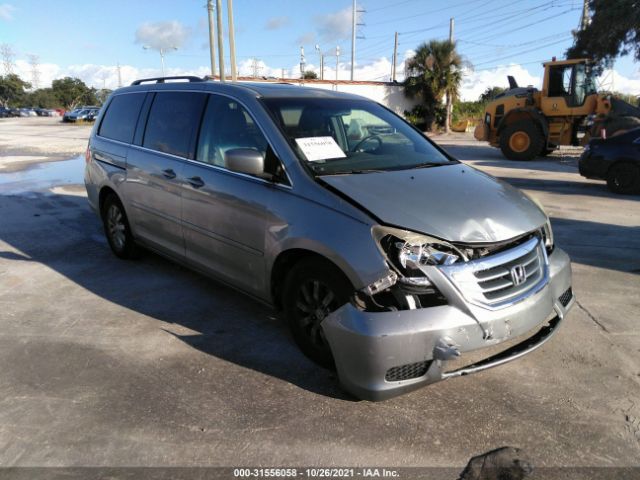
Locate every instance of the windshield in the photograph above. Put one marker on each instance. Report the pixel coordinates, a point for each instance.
(337, 136)
(584, 83)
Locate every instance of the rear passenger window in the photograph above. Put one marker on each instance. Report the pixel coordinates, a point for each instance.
(173, 119)
(121, 117)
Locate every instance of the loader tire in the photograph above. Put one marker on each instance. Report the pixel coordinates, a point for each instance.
(521, 140)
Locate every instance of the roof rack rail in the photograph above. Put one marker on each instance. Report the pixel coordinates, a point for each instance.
(191, 78)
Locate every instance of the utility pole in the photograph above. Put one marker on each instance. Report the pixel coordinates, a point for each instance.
(302, 61)
(255, 67)
(337, 60)
(449, 105)
(232, 41)
(395, 57)
(119, 76)
(353, 37)
(321, 56)
(584, 20)
(220, 42)
(282, 73)
(7, 58)
(212, 31)
(35, 72)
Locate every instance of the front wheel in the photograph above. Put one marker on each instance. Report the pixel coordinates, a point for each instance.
(521, 140)
(624, 178)
(313, 289)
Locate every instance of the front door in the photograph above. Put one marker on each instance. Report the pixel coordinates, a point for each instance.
(224, 212)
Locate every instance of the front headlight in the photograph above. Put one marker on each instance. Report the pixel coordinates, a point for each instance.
(408, 252)
(545, 231)
(547, 236)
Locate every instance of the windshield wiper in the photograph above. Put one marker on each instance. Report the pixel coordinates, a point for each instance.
(349, 172)
(428, 165)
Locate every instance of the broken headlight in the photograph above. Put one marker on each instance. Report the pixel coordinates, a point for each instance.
(545, 231)
(409, 252)
(547, 236)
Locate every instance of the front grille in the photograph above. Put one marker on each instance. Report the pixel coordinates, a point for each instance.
(566, 297)
(503, 278)
(407, 372)
(497, 283)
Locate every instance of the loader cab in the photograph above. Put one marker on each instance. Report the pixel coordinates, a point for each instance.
(567, 86)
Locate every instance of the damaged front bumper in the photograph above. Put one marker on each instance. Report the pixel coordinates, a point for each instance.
(380, 355)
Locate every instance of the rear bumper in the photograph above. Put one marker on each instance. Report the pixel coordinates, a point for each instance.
(370, 348)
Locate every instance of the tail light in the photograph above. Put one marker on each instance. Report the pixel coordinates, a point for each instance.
(87, 155)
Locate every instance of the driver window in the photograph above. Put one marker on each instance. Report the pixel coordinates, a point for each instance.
(227, 125)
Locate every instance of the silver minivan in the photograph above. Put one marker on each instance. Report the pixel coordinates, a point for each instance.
(393, 262)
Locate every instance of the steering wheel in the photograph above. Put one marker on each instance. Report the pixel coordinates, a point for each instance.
(367, 138)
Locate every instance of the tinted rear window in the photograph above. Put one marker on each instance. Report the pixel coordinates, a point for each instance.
(120, 119)
(173, 120)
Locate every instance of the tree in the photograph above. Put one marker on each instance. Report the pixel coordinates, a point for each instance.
(72, 92)
(491, 93)
(12, 89)
(43, 98)
(614, 30)
(433, 73)
(309, 74)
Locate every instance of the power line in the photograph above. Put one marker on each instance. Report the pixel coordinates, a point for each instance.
(522, 27)
(430, 12)
(524, 51)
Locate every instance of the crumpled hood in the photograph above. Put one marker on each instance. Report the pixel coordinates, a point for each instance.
(453, 202)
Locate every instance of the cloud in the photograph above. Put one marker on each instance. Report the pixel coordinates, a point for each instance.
(306, 38)
(277, 23)
(6, 11)
(335, 26)
(163, 34)
(614, 82)
(476, 82)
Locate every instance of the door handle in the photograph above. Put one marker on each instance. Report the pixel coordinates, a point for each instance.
(169, 173)
(195, 182)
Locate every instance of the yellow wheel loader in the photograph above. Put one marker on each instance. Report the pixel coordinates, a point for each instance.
(525, 122)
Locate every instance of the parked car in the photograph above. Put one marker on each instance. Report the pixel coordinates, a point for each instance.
(5, 112)
(616, 160)
(27, 112)
(81, 114)
(92, 115)
(391, 259)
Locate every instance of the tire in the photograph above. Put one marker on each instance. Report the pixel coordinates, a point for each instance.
(117, 229)
(624, 178)
(521, 140)
(313, 289)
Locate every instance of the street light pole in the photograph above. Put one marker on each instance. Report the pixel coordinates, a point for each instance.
(162, 52)
(337, 60)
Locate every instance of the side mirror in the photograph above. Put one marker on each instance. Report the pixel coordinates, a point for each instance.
(245, 160)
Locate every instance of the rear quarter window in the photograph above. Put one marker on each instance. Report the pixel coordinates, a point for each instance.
(120, 119)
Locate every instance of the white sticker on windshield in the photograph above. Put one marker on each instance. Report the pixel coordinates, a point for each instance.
(319, 148)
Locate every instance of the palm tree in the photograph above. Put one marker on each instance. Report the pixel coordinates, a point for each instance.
(433, 73)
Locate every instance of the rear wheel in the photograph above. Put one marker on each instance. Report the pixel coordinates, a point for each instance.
(624, 178)
(116, 228)
(313, 289)
(521, 140)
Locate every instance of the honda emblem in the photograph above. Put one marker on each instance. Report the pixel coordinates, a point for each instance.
(518, 275)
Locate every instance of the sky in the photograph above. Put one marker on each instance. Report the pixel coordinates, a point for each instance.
(89, 38)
